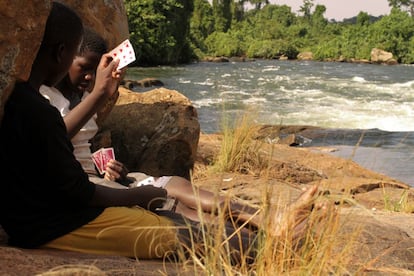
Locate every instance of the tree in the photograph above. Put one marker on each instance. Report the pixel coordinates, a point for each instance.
(159, 30)
(394, 33)
(363, 19)
(407, 5)
(222, 14)
(258, 3)
(201, 23)
(306, 8)
(318, 19)
(238, 10)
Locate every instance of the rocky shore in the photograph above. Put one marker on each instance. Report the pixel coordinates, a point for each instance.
(385, 244)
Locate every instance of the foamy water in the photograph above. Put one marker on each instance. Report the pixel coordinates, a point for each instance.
(310, 93)
(329, 95)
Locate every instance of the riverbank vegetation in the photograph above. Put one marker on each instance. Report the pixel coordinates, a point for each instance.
(180, 31)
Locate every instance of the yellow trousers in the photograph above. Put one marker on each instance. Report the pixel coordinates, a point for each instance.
(132, 232)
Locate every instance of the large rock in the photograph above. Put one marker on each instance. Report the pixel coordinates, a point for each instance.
(381, 56)
(305, 56)
(108, 18)
(155, 132)
(22, 26)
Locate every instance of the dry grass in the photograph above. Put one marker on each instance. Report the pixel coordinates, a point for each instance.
(74, 270)
(318, 251)
(240, 151)
(403, 204)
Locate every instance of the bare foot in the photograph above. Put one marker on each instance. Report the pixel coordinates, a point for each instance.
(295, 216)
(244, 214)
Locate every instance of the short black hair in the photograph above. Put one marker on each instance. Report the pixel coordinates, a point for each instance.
(63, 25)
(93, 42)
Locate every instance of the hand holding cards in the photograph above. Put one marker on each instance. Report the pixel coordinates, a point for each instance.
(101, 157)
(124, 52)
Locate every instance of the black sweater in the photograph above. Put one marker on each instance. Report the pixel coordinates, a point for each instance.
(44, 192)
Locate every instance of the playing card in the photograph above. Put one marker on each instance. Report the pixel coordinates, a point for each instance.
(107, 154)
(97, 160)
(124, 52)
(101, 157)
(147, 181)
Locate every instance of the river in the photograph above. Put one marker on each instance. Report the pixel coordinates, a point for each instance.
(375, 102)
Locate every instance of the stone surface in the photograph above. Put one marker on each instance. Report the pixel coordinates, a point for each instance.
(381, 56)
(22, 26)
(305, 56)
(137, 84)
(155, 132)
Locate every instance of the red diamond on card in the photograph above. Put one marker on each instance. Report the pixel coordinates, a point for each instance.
(127, 51)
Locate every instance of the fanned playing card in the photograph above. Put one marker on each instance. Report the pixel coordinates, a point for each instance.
(101, 157)
(107, 154)
(97, 160)
(124, 52)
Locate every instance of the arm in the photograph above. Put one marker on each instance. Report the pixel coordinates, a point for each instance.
(106, 84)
(148, 197)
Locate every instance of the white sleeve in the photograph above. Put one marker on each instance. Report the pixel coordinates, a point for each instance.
(55, 98)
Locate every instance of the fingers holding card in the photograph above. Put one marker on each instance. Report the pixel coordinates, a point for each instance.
(97, 160)
(101, 157)
(124, 52)
(107, 154)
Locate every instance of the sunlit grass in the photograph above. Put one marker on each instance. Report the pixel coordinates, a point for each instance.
(318, 250)
(239, 151)
(74, 270)
(402, 204)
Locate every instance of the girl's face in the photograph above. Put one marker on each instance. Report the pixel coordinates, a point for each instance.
(82, 71)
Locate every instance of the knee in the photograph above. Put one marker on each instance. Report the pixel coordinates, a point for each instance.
(177, 184)
(157, 241)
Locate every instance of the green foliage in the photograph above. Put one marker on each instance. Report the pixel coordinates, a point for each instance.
(305, 9)
(330, 50)
(270, 49)
(363, 19)
(224, 44)
(222, 14)
(401, 204)
(201, 24)
(318, 20)
(394, 33)
(280, 15)
(408, 58)
(263, 49)
(407, 5)
(159, 30)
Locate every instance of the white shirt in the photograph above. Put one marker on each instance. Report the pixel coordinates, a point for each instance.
(81, 141)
